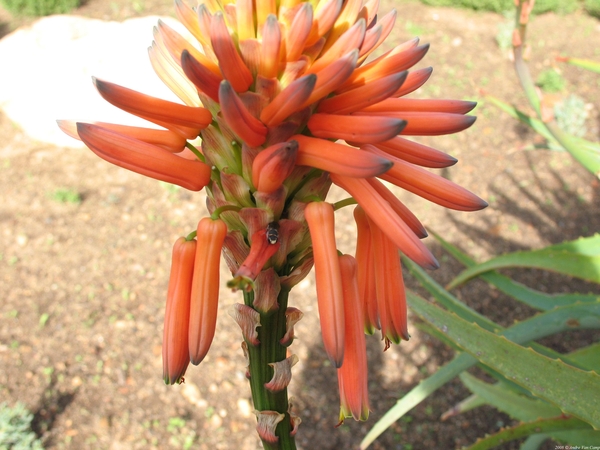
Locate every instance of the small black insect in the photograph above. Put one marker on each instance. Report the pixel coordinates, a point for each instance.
(273, 232)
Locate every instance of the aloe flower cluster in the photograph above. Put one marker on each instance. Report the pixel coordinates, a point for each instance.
(286, 100)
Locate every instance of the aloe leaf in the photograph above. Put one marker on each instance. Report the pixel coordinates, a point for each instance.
(518, 291)
(528, 429)
(587, 64)
(471, 402)
(448, 300)
(539, 326)
(588, 356)
(586, 152)
(534, 442)
(579, 258)
(573, 390)
(517, 406)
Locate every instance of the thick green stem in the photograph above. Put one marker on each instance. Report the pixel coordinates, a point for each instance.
(269, 350)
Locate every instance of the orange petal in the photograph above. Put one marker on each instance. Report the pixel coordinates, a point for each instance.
(355, 128)
(186, 120)
(176, 43)
(350, 40)
(324, 17)
(391, 295)
(166, 139)
(415, 153)
(265, 8)
(289, 100)
(432, 187)
(205, 287)
(177, 313)
(172, 75)
(403, 212)
(299, 32)
(414, 81)
(245, 19)
(353, 375)
(337, 158)
(361, 97)
(273, 165)
(271, 44)
(205, 80)
(230, 62)
(248, 128)
(387, 25)
(144, 158)
(332, 76)
(320, 219)
(261, 250)
(365, 274)
(428, 123)
(188, 17)
(346, 19)
(393, 62)
(387, 220)
(421, 105)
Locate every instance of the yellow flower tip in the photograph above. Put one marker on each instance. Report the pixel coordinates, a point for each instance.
(177, 312)
(205, 287)
(320, 219)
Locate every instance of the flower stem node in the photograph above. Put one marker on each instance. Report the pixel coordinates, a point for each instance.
(282, 374)
(292, 317)
(266, 291)
(267, 423)
(248, 320)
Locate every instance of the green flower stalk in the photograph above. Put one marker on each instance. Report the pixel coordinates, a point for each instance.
(286, 102)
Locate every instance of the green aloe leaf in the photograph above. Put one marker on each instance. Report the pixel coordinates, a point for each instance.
(534, 442)
(586, 152)
(518, 291)
(517, 406)
(573, 390)
(579, 258)
(539, 326)
(588, 356)
(528, 429)
(587, 64)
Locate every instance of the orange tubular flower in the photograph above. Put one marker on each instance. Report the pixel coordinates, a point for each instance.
(352, 376)
(205, 288)
(319, 216)
(284, 102)
(177, 314)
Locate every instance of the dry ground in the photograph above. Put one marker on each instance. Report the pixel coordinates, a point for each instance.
(83, 283)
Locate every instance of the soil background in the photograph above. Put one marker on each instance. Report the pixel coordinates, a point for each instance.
(83, 283)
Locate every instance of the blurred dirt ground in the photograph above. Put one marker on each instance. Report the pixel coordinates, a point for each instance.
(83, 280)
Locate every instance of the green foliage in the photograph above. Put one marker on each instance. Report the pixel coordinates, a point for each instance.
(550, 81)
(571, 114)
(40, 7)
(541, 6)
(15, 429)
(592, 7)
(64, 195)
